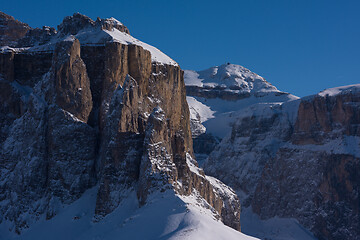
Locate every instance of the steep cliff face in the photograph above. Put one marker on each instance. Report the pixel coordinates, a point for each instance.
(298, 159)
(93, 106)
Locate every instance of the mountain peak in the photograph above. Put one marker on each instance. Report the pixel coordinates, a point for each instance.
(86, 30)
(78, 22)
(340, 90)
(73, 24)
(111, 23)
(229, 77)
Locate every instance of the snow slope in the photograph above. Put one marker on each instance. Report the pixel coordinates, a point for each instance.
(218, 113)
(165, 216)
(273, 228)
(340, 90)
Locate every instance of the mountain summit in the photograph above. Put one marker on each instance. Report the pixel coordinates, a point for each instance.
(95, 139)
(217, 94)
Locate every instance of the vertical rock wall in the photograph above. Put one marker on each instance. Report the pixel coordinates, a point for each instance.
(104, 114)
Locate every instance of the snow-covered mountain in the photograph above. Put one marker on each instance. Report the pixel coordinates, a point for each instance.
(299, 159)
(215, 95)
(96, 143)
(95, 140)
(289, 159)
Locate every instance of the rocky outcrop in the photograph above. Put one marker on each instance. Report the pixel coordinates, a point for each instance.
(109, 113)
(11, 30)
(27, 68)
(36, 36)
(72, 84)
(324, 117)
(157, 169)
(77, 22)
(300, 160)
(111, 23)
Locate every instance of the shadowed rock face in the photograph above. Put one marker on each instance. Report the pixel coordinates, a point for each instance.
(37, 36)
(305, 168)
(11, 30)
(75, 23)
(107, 115)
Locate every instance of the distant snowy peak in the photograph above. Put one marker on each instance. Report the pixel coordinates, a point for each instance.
(340, 90)
(229, 77)
(215, 95)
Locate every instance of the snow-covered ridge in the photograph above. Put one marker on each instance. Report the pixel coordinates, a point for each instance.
(95, 35)
(229, 77)
(340, 90)
(219, 95)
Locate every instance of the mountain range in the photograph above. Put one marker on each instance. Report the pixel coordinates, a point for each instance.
(103, 136)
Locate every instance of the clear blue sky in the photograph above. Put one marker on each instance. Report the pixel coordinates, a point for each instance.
(302, 47)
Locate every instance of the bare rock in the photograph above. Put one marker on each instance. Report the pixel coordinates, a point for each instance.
(11, 30)
(72, 84)
(37, 36)
(157, 169)
(111, 23)
(73, 24)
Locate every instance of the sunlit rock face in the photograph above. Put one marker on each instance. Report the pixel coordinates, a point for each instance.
(89, 105)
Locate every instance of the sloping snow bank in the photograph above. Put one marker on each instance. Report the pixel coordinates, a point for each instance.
(273, 228)
(165, 216)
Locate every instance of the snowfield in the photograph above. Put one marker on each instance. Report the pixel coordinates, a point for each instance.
(165, 216)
